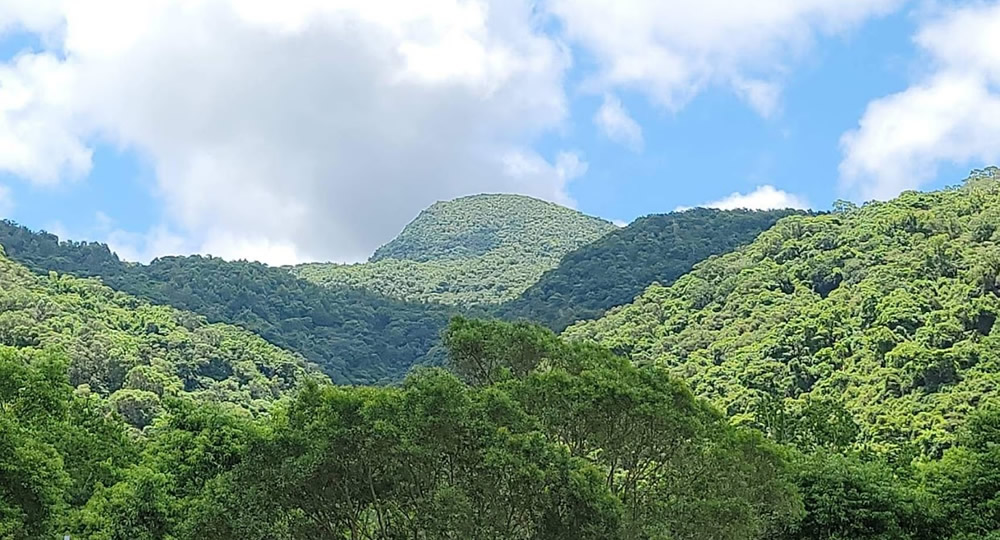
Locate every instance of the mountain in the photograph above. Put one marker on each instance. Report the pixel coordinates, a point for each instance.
(614, 269)
(862, 343)
(876, 323)
(136, 354)
(359, 333)
(354, 336)
(476, 250)
(489, 224)
(530, 438)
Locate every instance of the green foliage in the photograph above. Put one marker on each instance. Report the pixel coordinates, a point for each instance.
(136, 353)
(676, 467)
(886, 311)
(851, 499)
(482, 224)
(477, 250)
(483, 353)
(614, 269)
(139, 507)
(55, 448)
(354, 336)
(966, 480)
(434, 459)
(43, 252)
(581, 445)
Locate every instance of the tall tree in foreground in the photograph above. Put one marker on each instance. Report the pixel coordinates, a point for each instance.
(672, 461)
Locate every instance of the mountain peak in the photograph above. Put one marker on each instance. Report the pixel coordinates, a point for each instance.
(475, 225)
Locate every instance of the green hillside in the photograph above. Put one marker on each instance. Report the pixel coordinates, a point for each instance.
(885, 311)
(434, 458)
(617, 267)
(531, 438)
(353, 335)
(136, 354)
(490, 224)
(481, 249)
(852, 356)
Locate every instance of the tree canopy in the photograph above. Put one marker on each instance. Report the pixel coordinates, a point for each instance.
(353, 335)
(885, 312)
(614, 269)
(636, 456)
(137, 354)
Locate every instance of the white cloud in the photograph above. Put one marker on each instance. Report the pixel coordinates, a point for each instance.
(570, 165)
(949, 115)
(38, 139)
(765, 197)
(763, 96)
(672, 49)
(616, 123)
(309, 129)
(143, 247)
(31, 15)
(292, 130)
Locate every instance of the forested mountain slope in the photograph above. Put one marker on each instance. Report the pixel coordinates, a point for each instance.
(545, 440)
(887, 310)
(434, 458)
(530, 437)
(137, 354)
(353, 335)
(481, 249)
(617, 267)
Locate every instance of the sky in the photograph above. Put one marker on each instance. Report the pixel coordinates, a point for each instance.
(308, 130)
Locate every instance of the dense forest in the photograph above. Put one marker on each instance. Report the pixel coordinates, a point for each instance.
(885, 310)
(614, 269)
(137, 355)
(530, 437)
(834, 378)
(357, 333)
(353, 335)
(476, 250)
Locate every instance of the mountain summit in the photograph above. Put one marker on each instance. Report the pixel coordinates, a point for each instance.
(480, 249)
(480, 225)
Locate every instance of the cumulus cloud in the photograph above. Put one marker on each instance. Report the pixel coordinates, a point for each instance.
(303, 129)
(617, 125)
(39, 16)
(765, 197)
(156, 242)
(947, 116)
(293, 130)
(38, 139)
(673, 49)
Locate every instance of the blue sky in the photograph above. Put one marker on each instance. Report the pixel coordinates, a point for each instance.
(717, 145)
(278, 175)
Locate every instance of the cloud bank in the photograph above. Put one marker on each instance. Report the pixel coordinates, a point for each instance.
(306, 129)
(765, 197)
(292, 130)
(947, 116)
(671, 50)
